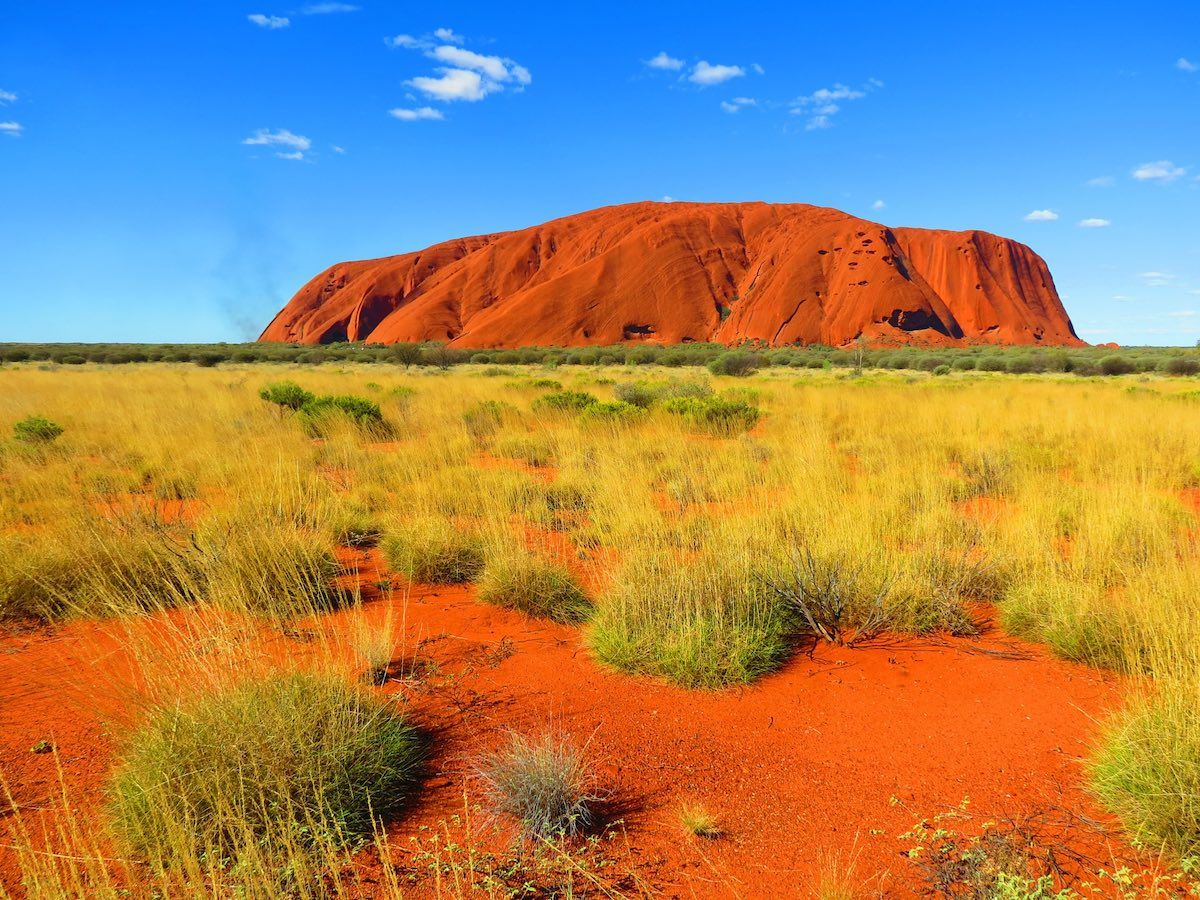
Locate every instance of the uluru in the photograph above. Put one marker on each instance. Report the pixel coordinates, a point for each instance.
(675, 272)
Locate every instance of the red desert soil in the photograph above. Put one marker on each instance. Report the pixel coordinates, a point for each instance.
(678, 272)
(803, 764)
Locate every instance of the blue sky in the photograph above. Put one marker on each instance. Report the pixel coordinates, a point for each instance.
(175, 171)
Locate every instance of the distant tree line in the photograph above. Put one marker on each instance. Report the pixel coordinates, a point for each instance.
(1086, 361)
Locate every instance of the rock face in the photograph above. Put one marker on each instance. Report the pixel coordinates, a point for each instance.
(677, 272)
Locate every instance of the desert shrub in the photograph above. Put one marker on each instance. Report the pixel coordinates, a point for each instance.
(433, 551)
(36, 430)
(249, 774)
(318, 414)
(612, 413)
(636, 393)
(543, 784)
(963, 363)
(1117, 365)
(646, 393)
(565, 401)
(992, 362)
(708, 624)
(737, 363)
(943, 369)
(834, 598)
(287, 394)
(526, 582)
(1182, 365)
(268, 569)
(718, 415)
(208, 358)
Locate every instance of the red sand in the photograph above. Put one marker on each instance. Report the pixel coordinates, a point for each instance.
(802, 764)
(677, 272)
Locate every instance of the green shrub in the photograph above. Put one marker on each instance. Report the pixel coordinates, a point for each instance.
(565, 401)
(1182, 365)
(247, 775)
(319, 413)
(36, 430)
(612, 412)
(525, 582)
(433, 551)
(737, 363)
(1117, 365)
(718, 415)
(543, 784)
(287, 394)
(943, 369)
(485, 418)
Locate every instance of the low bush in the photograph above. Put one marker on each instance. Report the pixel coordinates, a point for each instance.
(1117, 365)
(565, 401)
(248, 775)
(433, 551)
(543, 784)
(318, 413)
(526, 582)
(36, 430)
(737, 363)
(287, 394)
(484, 418)
(1182, 365)
(612, 412)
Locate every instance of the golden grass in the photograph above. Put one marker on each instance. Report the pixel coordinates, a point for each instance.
(1061, 503)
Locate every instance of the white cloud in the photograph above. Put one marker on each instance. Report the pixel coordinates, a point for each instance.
(1101, 181)
(1161, 171)
(7, 97)
(821, 105)
(878, 204)
(1042, 215)
(1094, 223)
(667, 198)
(706, 74)
(758, 70)
(665, 61)
(737, 104)
(416, 115)
(1156, 279)
(467, 75)
(336, 149)
(1186, 65)
(297, 144)
(454, 84)
(324, 9)
(1122, 298)
(1182, 313)
(493, 67)
(271, 22)
(12, 129)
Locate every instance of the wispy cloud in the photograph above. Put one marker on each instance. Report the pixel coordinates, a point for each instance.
(289, 145)
(7, 97)
(1186, 65)
(707, 74)
(1157, 279)
(878, 204)
(416, 115)
(12, 129)
(823, 104)
(663, 60)
(1122, 298)
(325, 9)
(1101, 181)
(466, 75)
(1182, 313)
(1094, 223)
(1041, 215)
(271, 22)
(1162, 171)
(737, 104)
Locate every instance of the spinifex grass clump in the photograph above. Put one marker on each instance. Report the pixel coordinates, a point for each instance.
(705, 623)
(564, 401)
(255, 774)
(433, 551)
(537, 587)
(717, 415)
(543, 784)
